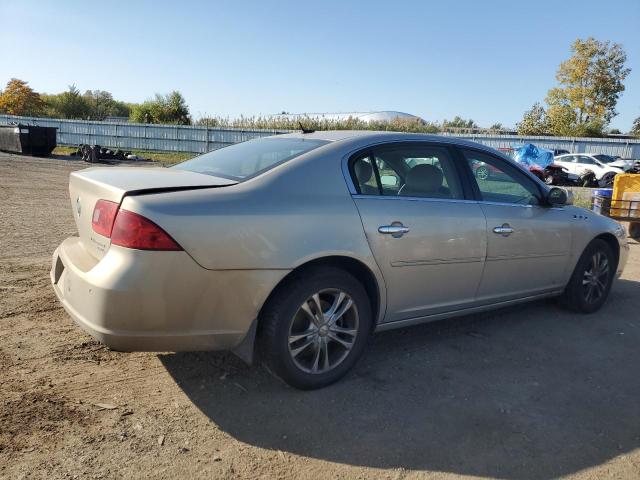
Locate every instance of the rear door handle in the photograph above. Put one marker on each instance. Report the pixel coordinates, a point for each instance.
(505, 230)
(396, 229)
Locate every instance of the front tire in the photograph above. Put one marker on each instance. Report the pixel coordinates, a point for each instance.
(592, 278)
(607, 179)
(315, 327)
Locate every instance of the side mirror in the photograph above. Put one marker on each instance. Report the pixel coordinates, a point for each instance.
(559, 196)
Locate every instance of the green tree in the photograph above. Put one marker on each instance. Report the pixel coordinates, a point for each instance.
(534, 121)
(69, 104)
(591, 82)
(635, 128)
(459, 122)
(101, 104)
(20, 99)
(171, 109)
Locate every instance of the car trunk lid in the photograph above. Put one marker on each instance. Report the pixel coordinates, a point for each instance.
(88, 186)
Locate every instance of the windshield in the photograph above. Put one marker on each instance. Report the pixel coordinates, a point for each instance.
(248, 159)
(604, 158)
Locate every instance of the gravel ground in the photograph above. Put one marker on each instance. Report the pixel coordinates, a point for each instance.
(532, 392)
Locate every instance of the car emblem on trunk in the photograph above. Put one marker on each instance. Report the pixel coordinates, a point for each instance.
(78, 206)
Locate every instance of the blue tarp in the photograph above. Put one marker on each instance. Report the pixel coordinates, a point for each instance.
(530, 155)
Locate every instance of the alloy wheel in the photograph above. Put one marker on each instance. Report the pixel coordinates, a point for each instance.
(596, 277)
(323, 331)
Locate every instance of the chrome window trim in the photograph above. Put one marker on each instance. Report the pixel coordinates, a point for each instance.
(448, 141)
(413, 199)
(360, 196)
(509, 204)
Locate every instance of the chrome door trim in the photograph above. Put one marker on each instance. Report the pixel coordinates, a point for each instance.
(437, 262)
(497, 258)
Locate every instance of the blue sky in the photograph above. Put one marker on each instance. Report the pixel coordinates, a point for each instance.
(488, 60)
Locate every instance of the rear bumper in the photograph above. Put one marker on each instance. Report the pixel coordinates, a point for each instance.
(135, 300)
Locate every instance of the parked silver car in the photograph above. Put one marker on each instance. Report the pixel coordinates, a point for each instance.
(304, 244)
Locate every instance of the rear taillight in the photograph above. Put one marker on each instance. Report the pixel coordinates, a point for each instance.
(104, 215)
(128, 229)
(135, 231)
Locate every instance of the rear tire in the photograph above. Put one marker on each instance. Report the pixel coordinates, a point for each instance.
(634, 230)
(591, 280)
(315, 327)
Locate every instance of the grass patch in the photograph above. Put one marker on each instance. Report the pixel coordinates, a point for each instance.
(61, 150)
(581, 196)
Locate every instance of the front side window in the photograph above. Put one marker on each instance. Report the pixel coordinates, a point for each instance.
(248, 159)
(501, 184)
(604, 158)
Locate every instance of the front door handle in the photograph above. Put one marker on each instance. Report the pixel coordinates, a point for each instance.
(396, 229)
(505, 230)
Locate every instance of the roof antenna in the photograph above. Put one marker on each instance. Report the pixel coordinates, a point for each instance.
(305, 130)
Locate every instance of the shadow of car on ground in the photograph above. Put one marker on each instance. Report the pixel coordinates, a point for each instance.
(527, 392)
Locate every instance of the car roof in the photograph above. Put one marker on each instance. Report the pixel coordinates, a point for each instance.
(372, 137)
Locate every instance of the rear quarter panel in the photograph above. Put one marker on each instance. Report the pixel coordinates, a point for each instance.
(297, 212)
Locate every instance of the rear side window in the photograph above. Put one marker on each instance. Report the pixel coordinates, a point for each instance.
(410, 170)
(248, 159)
(418, 171)
(364, 176)
(585, 160)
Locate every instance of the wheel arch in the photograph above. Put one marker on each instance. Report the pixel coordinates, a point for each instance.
(357, 268)
(612, 241)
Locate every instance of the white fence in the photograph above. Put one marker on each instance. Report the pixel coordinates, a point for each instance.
(201, 139)
(625, 148)
(138, 136)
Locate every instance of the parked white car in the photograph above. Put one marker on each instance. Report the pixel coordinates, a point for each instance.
(604, 167)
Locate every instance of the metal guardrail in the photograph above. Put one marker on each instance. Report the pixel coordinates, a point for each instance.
(201, 139)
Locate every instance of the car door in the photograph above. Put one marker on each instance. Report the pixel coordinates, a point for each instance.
(568, 162)
(528, 243)
(585, 163)
(426, 234)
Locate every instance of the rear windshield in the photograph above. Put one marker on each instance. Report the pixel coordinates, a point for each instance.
(248, 159)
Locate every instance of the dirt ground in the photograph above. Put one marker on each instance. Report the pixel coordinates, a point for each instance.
(532, 392)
